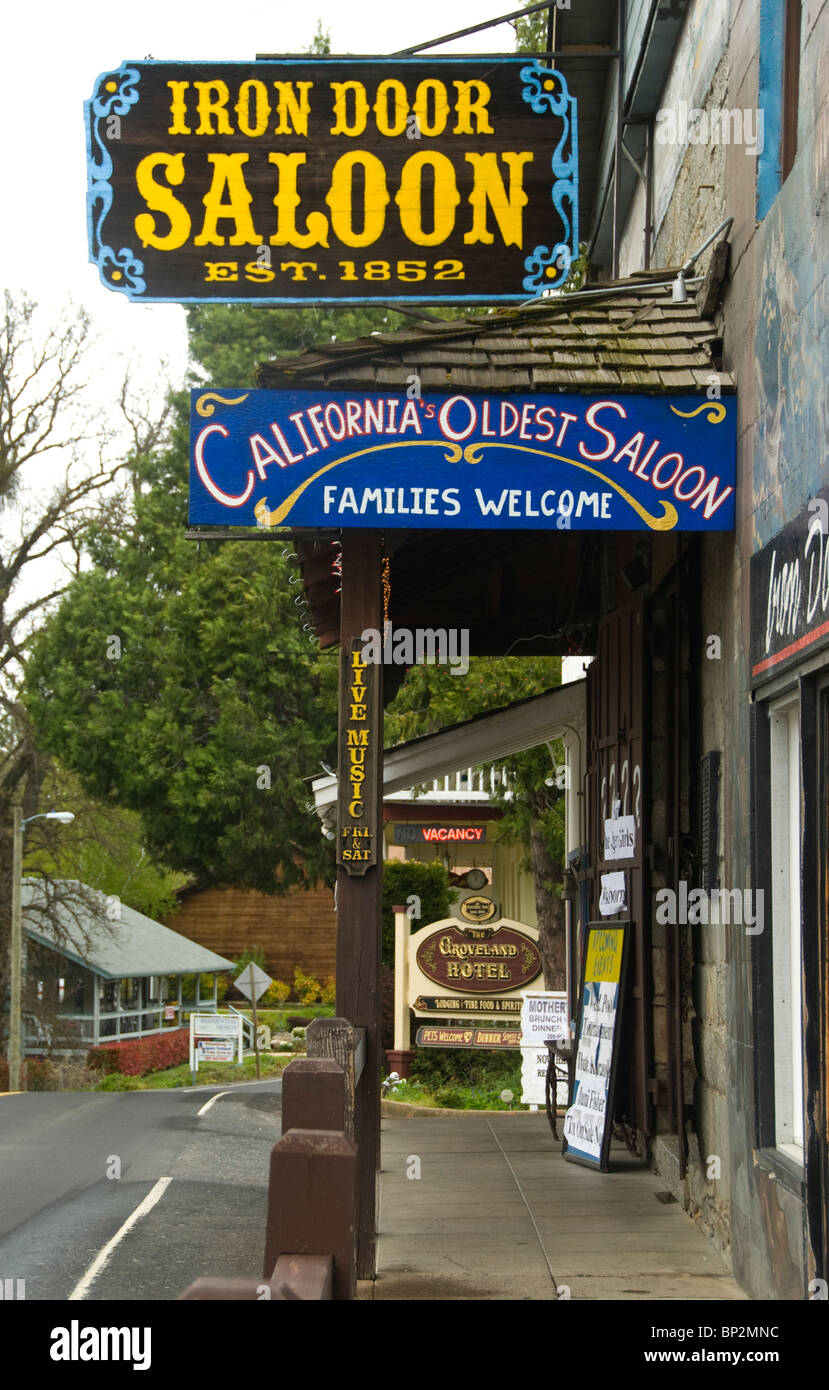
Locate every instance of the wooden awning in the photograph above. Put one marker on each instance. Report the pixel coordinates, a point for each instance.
(518, 592)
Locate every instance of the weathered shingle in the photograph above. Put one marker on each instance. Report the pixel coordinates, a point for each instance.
(636, 339)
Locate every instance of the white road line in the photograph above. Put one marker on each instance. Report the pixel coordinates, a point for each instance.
(212, 1101)
(85, 1283)
(236, 1085)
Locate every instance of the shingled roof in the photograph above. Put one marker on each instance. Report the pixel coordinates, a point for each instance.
(628, 337)
(623, 337)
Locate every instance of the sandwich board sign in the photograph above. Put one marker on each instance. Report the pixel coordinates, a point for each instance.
(543, 1016)
(215, 1038)
(589, 1119)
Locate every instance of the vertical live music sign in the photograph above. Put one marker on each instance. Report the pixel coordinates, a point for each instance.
(332, 180)
(358, 807)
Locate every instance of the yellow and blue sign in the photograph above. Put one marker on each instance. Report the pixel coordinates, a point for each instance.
(333, 180)
(445, 461)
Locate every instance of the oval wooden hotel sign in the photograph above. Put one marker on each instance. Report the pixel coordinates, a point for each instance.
(479, 959)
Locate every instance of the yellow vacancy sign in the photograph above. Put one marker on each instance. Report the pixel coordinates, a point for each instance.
(604, 956)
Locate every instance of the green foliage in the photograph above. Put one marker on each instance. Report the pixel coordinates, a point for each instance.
(485, 1095)
(116, 1082)
(403, 877)
(252, 955)
(228, 341)
(328, 995)
(102, 848)
(531, 32)
(438, 1067)
(213, 1074)
(321, 42)
(213, 681)
(432, 698)
(277, 1019)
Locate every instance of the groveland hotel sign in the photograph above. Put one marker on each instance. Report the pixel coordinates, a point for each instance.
(339, 180)
(442, 460)
(457, 969)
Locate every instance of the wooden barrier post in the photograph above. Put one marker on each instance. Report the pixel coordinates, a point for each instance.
(336, 1039)
(312, 1189)
(312, 1202)
(314, 1094)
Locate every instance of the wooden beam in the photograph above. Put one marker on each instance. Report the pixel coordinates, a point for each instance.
(360, 896)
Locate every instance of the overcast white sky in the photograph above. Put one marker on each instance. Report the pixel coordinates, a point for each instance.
(52, 52)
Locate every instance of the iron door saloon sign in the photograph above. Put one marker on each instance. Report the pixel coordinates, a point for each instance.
(488, 462)
(333, 180)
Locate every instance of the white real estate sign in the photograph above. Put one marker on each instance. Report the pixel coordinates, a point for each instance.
(215, 1038)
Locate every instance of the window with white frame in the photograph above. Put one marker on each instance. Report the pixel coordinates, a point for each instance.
(785, 825)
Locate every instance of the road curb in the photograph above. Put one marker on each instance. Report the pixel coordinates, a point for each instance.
(405, 1110)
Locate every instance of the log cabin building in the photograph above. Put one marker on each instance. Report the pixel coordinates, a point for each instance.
(298, 929)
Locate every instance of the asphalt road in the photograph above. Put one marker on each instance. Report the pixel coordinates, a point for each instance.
(62, 1218)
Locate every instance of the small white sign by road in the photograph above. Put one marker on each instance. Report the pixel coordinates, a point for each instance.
(215, 1038)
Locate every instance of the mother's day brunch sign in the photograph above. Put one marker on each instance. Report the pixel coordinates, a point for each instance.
(447, 461)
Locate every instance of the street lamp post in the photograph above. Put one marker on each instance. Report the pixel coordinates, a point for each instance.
(16, 946)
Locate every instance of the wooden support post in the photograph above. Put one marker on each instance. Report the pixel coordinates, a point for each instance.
(360, 887)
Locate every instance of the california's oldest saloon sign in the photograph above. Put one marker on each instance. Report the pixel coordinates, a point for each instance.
(446, 461)
(333, 180)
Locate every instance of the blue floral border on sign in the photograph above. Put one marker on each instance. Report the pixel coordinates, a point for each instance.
(114, 94)
(545, 91)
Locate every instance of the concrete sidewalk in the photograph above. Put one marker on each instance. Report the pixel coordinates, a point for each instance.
(497, 1213)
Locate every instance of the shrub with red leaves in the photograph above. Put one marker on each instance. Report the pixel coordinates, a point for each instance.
(138, 1056)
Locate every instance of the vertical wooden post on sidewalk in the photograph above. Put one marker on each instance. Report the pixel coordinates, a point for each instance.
(255, 1024)
(360, 857)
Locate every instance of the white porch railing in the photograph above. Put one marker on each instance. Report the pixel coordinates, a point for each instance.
(467, 786)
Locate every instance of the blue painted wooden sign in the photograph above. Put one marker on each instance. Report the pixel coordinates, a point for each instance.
(447, 461)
